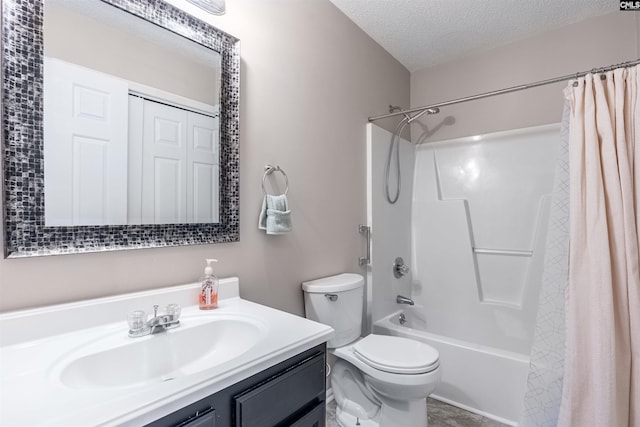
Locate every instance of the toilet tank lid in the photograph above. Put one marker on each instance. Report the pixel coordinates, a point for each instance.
(338, 283)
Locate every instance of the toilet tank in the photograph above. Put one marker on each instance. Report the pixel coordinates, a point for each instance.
(336, 301)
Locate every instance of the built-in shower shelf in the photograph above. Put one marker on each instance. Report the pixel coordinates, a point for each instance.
(508, 252)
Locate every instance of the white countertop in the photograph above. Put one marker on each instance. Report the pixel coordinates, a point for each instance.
(34, 342)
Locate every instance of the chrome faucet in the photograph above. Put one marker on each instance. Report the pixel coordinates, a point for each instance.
(139, 325)
(404, 300)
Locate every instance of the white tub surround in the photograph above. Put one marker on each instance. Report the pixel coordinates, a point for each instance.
(472, 229)
(480, 210)
(38, 347)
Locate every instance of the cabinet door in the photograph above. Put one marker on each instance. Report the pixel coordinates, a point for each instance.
(283, 398)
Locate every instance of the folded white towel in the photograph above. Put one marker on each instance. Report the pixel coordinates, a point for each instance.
(275, 216)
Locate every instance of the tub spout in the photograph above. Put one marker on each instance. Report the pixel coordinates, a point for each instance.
(404, 300)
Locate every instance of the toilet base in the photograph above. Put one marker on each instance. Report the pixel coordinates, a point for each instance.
(365, 401)
(394, 413)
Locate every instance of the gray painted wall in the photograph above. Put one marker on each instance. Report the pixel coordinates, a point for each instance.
(598, 42)
(310, 78)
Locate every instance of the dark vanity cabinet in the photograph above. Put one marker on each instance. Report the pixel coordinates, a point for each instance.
(291, 393)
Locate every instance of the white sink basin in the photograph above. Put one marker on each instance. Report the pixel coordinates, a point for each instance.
(200, 343)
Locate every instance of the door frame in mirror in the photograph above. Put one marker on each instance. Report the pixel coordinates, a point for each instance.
(25, 233)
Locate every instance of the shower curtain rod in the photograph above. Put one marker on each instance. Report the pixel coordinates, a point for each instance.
(418, 110)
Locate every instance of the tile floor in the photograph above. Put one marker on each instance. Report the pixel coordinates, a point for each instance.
(439, 414)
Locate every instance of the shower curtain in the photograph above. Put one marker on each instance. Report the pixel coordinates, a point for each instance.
(587, 373)
(602, 363)
(544, 382)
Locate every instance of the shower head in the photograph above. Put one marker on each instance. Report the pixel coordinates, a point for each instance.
(407, 118)
(432, 110)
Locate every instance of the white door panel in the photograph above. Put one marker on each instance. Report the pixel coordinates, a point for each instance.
(89, 179)
(205, 193)
(203, 160)
(164, 164)
(85, 134)
(168, 191)
(136, 132)
(180, 165)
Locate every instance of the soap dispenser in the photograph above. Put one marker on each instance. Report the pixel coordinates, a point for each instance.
(209, 289)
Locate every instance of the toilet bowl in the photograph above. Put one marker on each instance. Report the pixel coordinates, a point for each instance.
(378, 380)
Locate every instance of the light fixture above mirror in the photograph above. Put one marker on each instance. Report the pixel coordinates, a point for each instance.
(214, 7)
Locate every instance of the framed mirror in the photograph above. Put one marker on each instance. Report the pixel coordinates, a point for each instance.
(161, 169)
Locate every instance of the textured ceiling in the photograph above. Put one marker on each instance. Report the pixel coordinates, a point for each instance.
(423, 33)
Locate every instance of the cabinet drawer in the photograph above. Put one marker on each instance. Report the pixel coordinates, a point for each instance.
(284, 396)
(205, 418)
(314, 418)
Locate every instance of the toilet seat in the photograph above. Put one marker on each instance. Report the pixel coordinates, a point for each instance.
(396, 355)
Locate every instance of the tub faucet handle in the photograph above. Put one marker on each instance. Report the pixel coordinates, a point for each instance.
(400, 268)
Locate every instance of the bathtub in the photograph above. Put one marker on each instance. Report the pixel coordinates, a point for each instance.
(484, 380)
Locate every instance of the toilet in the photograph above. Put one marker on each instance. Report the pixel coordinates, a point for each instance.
(378, 380)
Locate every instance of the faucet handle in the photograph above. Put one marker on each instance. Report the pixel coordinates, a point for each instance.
(174, 310)
(400, 268)
(137, 320)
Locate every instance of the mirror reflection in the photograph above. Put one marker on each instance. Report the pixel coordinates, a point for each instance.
(131, 120)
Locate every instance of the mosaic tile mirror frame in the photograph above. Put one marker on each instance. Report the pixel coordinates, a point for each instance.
(25, 233)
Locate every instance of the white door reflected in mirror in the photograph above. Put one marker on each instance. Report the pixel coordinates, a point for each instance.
(131, 136)
(85, 133)
(116, 157)
(179, 172)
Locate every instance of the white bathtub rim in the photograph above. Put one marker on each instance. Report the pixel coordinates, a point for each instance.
(387, 323)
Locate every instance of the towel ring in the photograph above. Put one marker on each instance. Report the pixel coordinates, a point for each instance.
(268, 170)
